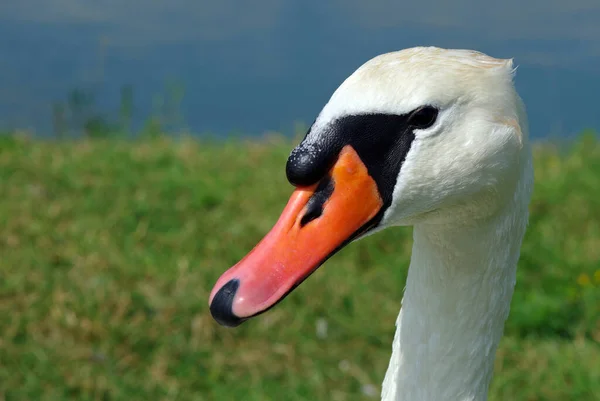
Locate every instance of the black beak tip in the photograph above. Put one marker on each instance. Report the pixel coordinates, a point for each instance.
(222, 304)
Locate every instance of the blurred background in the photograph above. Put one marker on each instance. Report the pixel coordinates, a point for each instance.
(231, 67)
(142, 153)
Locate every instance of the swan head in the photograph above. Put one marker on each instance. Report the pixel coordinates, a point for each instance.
(419, 136)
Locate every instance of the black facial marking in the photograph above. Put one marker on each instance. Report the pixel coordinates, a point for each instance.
(382, 142)
(314, 207)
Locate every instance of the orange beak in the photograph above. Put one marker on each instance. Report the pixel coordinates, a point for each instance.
(317, 221)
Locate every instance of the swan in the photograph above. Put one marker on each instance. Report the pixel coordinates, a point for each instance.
(426, 137)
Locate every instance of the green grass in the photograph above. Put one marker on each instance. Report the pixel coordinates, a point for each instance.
(109, 250)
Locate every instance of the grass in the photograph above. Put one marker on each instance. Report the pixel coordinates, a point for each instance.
(110, 248)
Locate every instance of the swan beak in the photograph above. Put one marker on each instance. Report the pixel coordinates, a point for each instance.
(317, 221)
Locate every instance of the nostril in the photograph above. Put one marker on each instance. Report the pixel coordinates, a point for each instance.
(310, 215)
(221, 307)
(314, 207)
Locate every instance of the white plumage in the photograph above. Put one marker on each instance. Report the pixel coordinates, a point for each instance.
(432, 138)
(465, 186)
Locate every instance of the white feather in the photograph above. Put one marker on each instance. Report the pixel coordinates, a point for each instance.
(465, 185)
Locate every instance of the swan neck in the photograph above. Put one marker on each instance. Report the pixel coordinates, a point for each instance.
(457, 298)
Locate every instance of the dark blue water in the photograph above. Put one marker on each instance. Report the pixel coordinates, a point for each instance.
(251, 67)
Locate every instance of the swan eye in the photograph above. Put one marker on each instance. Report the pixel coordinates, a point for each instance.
(423, 117)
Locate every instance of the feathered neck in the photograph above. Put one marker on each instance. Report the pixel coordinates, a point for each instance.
(457, 298)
